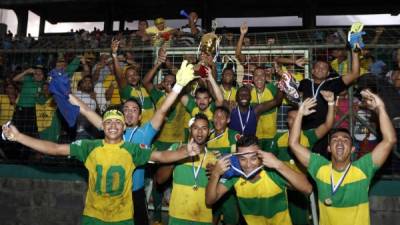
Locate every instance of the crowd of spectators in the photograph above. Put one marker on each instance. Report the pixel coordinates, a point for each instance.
(245, 102)
(93, 74)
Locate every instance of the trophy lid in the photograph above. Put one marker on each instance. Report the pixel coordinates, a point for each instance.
(209, 43)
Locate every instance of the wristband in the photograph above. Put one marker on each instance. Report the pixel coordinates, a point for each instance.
(331, 103)
(177, 88)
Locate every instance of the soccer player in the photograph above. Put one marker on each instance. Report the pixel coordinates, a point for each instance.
(171, 131)
(187, 204)
(110, 163)
(262, 196)
(143, 134)
(299, 203)
(223, 140)
(245, 117)
(129, 84)
(264, 91)
(310, 88)
(343, 184)
(228, 87)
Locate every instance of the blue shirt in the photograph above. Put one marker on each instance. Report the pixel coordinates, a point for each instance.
(140, 135)
(248, 121)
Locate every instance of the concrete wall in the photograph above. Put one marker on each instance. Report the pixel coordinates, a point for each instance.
(41, 201)
(384, 210)
(25, 201)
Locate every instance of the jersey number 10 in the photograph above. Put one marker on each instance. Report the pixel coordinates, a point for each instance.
(114, 172)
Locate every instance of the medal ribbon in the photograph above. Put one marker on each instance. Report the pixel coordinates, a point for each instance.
(315, 93)
(230, 93)
(243, 126)
(196, 171)
(141, 97)
(217, 137)
(340, 181)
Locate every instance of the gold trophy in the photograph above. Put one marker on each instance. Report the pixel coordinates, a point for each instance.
(209, 45)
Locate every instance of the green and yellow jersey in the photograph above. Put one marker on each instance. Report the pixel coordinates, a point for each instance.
(342, 67)
(6, 109)
(227, 206)
(47, 120)
(281, 146)
(266, 125)
(224, 143)
(193, 109)
(143, 98)
(263, 201)
(109, 80)
(229, 95)
(187, 204)
(172, 130)
(110, 166)
(350, 204)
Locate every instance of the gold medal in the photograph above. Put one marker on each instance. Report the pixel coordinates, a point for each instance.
(328, 201)
(195, 187)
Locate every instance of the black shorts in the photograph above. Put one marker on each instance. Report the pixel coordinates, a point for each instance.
(141, 215)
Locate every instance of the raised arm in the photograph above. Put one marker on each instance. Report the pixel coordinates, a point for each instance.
(73, 66)
(296, 179)
(301, 152)
(119, 73)
(378, 33)
(183, 77)
(238, 51)
(216, 90)
(324, 128)
(355, 69)
(184, 151)
(19, 77)
(383, 149)
(148, 78)
(215, 190)
(45, 147)
(292, 60)
(88, 113)
(86, 68)
(265, 106)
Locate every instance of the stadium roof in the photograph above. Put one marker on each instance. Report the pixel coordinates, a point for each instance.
(98, 10)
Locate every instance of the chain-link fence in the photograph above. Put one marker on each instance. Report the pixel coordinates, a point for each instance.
(379, 66)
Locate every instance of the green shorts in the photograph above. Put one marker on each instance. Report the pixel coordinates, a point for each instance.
(228, 208)
(87, 220)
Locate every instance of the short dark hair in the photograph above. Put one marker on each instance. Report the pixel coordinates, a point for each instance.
(223, 109)
(322, 61)
(201, 116)
(246, 141)
(229, 68)
(134, 100)
(82, 79)
(339, 129)
(201, 90)
(244, 87)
